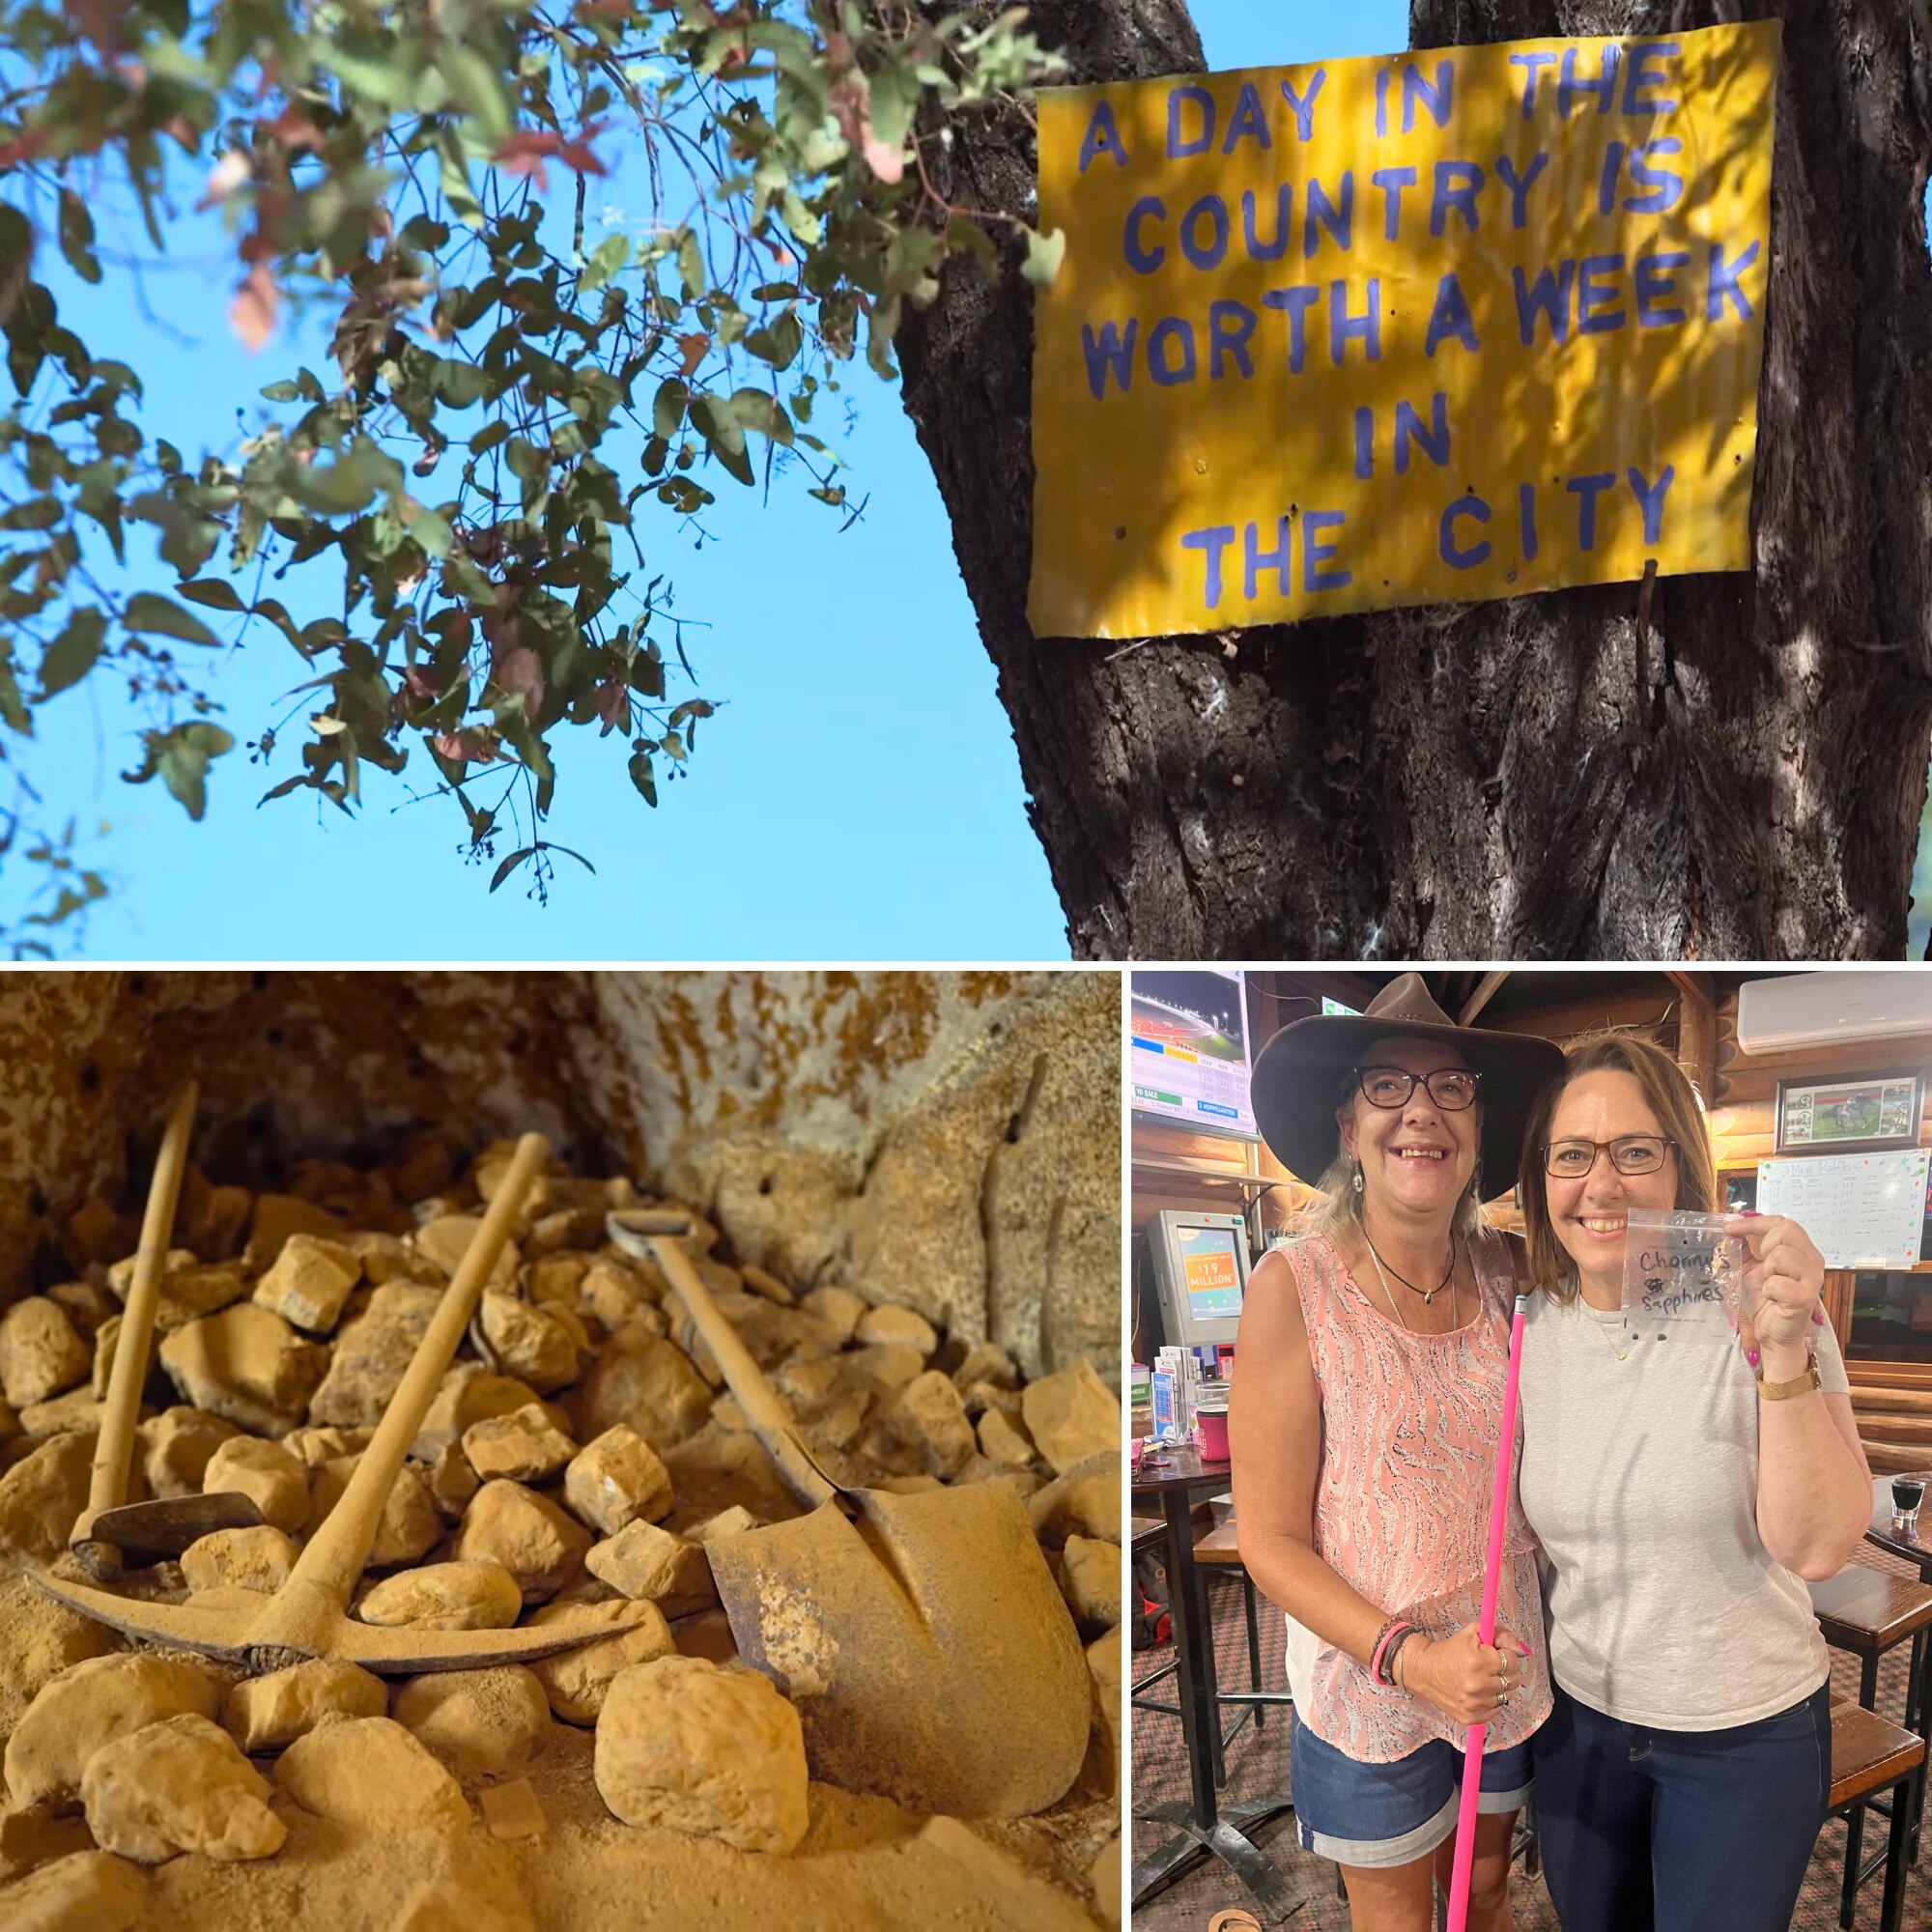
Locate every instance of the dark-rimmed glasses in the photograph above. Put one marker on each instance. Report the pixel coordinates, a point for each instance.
(1450, 1087)
(1630, 1153)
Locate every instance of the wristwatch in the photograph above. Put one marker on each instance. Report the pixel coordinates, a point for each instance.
(1798, 1385)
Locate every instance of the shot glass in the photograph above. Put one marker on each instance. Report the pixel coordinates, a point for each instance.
(1907, 1493)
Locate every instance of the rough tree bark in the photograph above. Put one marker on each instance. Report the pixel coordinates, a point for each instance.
(1529, 778)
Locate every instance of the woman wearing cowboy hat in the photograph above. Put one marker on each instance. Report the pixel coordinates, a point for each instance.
(1364, 1434)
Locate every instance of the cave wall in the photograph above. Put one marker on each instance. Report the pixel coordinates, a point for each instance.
(948, 1139)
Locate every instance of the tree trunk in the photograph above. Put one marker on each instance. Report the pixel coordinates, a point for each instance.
(1529, 778)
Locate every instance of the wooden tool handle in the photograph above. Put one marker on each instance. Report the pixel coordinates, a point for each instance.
(337, 1553)
(770, 1422)
(108, 1484)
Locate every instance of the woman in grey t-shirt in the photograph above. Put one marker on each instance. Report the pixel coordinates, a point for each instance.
(1681, 1489)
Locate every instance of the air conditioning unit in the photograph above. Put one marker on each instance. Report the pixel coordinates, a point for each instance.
(1829, 1008)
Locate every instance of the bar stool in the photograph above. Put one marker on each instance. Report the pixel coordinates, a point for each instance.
(1149, 1532)
(1869, 1612)
(1870, 1756)
(1218, 1552)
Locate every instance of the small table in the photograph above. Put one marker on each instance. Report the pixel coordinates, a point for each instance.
(1175, 1477)
(1915, 1544)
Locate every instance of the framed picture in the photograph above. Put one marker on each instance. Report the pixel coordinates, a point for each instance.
(1875, 1110)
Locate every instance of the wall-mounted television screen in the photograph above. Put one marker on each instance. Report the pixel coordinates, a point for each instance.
(1188, 1049)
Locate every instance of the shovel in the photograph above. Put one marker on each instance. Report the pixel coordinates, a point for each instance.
(306, 1617)
(921, 1637)
(110, 1527)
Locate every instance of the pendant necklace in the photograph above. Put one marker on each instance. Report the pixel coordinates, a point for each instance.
(1427, 1294)
(1454, 1305)
(1602, 1328)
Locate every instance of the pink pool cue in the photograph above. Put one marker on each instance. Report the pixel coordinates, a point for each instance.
(1492, 1577)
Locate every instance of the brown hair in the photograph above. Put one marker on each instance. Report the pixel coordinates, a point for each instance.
(1666, 1093)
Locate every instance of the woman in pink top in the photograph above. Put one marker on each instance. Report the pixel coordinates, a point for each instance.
(1364, 1432)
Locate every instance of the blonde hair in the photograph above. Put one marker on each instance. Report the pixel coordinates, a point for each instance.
(1668, 1096)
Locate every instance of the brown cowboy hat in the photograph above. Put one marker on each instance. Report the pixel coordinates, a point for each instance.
(1298, 1078)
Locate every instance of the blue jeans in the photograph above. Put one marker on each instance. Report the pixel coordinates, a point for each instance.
(1649, 1831)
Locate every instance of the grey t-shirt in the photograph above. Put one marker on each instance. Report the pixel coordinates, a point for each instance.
(1639, 1478)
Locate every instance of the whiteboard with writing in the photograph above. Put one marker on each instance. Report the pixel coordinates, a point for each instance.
(1862, 1209)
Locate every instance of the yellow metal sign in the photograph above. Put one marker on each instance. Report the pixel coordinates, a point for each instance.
(1422, 329)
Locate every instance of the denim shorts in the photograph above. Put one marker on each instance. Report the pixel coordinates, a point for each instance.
(1391, 1814)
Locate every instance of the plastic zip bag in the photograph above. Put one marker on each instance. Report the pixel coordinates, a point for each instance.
(1684, 1277)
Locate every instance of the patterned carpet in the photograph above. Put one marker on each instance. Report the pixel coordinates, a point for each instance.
(1257, 1764)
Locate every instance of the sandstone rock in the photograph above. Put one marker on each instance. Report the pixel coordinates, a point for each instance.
(541, 1546)
(121, 1275)
(1104, 1876)
(838, 1308)
(806, 1376)
(92, 1704)
(371, 1350)
(890, 1325)
(86, 1303)
(36, 1837)
(683, 1744)
(532, 1344)
(1101, 1774)
(577, 1680)
(39, 1640)
(85, 1891)
(475, 1595)
(482, 1723)
(645, 1382)
(213, 1220)
(986, 1362)
(1071, 1415)
(409, 1527)
(1003, 1441)
(388, 1258)
(370, 1772)
(512, 1810)
(41, 1494)
(473, 1890)
(555, 1277)
(276, 1217)
(41, 1353)
(77, 1408)
(644, 1561)
(310, 1282)
(522, 1445)
(1090, 1580)
(252, 1559)
(175, 1447)
(452, 1481)
(179, 1785)
(264, 1714)
(1084, 1501)
(617, 1479)
(733, 1522)
(273, 1480)
(468, 1393)
(613, 1294)
(885, 1367)
(313, 1445)
(248, 1365)
(929, 1418)
(447, 1239)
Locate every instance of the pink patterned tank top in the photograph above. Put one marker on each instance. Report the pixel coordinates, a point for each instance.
(1402, 1508)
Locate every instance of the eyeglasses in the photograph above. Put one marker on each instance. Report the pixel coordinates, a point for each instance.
(1630, 1153)
(1450, 1087)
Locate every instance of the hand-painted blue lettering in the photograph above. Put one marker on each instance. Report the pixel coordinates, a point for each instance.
(1279, 559)
(1102, 137)
(1596, 284)
(1458, 184)
(1609, 178)
(1434, 101)
(1642, 73)
(1450, 317)
(1381, 102)
(1231, 325)
(1550, 296)
(1168, 369)
(1657, 287)
(1276, 245)
(1519, 184)
(1531, 64)
(1206, 254)
(1571, 83)
(1180, 145)
(1210, 541)
(1302, 105)
(1392, 182)
(1365, 329)
(1110, 351)
(1649, 500)
(1526, 516)
(1365, 441)
(1319, 212)
(1433, 442)
(1296, 301)
(1457, 555)
(1725, 283)
(1247, 123)
(1314, 553)
(1586, 490)
(1664, 187)
(1142, 258)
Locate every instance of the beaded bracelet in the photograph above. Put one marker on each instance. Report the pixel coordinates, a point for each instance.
(1379, 1658)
